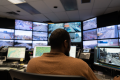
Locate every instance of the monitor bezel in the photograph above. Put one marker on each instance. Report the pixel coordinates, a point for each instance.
(35, 50)
(16, 58)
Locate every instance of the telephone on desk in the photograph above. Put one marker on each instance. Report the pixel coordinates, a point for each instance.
(3, 48)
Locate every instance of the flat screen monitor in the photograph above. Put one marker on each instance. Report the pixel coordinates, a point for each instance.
(6, 33)
(75, 37)
(90, 34)
(73, 27)
(108, 55)
(40, 36)
(40, 26)
(16, 53)
(23, 25)
(89, 44)
(23, 35)
(72, 52)
(27, 44)
(6, 43)
(90, 24)
(53, 27)
(108, 42)
(107, 32)
(119, 30)
(39, 50)
(40, 43)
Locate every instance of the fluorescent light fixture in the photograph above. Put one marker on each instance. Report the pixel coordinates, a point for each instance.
(17, 1)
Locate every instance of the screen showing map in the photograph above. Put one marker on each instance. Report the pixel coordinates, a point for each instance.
(39, 50)
(40, 26)
(73, 27)
(16, 52)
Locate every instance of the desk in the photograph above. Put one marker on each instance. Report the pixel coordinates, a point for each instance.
(4, 72)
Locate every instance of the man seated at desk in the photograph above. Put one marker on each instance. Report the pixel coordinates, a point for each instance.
(57, 62)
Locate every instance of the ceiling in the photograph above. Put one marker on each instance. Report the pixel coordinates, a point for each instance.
(48, 13)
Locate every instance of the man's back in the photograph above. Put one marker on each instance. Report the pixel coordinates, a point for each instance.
(60, 64)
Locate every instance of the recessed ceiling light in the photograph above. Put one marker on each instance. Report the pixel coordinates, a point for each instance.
(17, 1)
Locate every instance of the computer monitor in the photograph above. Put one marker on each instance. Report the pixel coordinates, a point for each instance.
(107, 56)
(90, 24)
(16, 53)
(23, 25)
(73, 27)
(72, 52)
(39, 50)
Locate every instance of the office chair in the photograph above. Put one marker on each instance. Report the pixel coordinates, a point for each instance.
(18, 75)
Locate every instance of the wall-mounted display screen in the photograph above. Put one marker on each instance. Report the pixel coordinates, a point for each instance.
(23, 35)
(23, 25)
(75, 37)
(28, 44)
(6, 33)
(119, 30)
(53, 27)
(73, 27)
(40, 26)
(90, 34)
(40, 36)
(107, 32)
(90, 24)
(6, 43)
(108, 42)
(39, 43)
(89, 44)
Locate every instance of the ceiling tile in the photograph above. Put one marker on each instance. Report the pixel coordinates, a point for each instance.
(85, 5)
(52, 17)
(115, 3)
(31, 0)
(97, 12)
(41, 17)
(5, 2)
(20, 17)
(101, 3)
(40, 6)
(109, 10)
(15, 8)
(84, 14)
(73, 15)
(3, 14)
(3, 9)
(52, 3)
(62, 16)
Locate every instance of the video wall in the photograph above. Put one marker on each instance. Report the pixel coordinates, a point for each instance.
(103, 36)
(73, 28)
(26, 33)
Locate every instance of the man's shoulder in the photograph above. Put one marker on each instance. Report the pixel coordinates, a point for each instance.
(76, 61)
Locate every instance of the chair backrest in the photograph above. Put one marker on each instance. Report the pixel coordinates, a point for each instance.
(18, 75)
